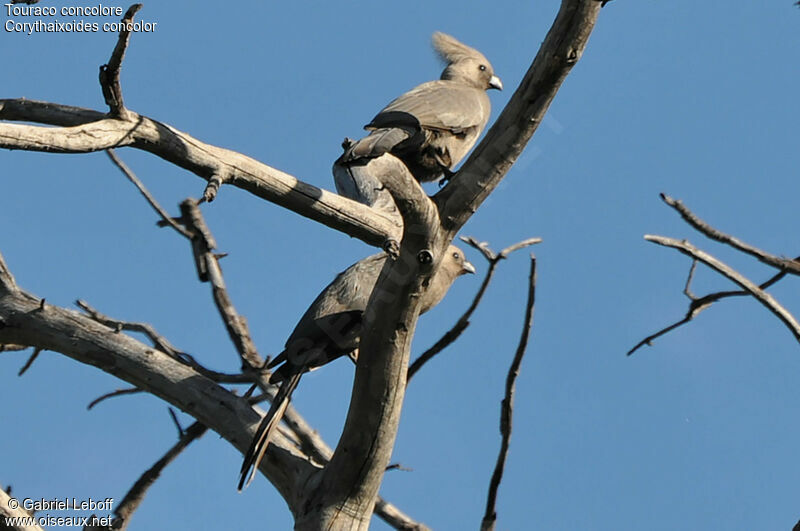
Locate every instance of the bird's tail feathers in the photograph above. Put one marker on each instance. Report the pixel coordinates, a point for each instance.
(254, 455)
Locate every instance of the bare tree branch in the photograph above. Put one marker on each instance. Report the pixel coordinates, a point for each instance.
(85, 131)
(493, 157)
(649, 339)
(312, 444)
(784, 264)
(202, 247)
(193, 226)
(112, 394)
(210, 193)
(348, 485)
(756, 291)
(698, 304)
(306, 437)
(109, 73)
(687, 289)
(89, 342)
(344, 493)
(159, 341)
(147, 195)
(31, 359)
(136, 494)
(507, 406)
(463, 322)
(176, 422)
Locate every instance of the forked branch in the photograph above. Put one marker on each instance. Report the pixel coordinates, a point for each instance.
(698, 304)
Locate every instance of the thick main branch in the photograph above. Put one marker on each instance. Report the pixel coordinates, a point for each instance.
(85, 131)
(25, 320)
(345, 495)
(504, 142)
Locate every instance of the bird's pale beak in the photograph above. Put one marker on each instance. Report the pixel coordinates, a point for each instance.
(495, 83)
(468, 267)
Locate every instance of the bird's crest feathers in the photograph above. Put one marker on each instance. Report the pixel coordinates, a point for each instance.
(452, 50)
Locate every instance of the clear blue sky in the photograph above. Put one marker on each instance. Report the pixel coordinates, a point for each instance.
(696, 99)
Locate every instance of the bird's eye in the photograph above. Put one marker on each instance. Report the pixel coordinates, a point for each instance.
(455, 255)
(482, 68)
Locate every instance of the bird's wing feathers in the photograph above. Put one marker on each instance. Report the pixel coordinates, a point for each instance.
(335, 315)
(441, 104)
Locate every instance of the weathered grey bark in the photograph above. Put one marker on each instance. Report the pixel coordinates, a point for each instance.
(19, 512)
(345, 494)
(85, 131)
(28, 320)
(493, 157)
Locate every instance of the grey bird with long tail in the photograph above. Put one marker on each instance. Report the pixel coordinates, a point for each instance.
(331, 328)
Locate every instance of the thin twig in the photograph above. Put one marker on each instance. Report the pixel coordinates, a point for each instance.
(162, 344)
(699, 304)
(398, 466)
(210, 193)
(507, 406)
(159, 341)
(463, 322)
(175, 421)
(192, 226)
(112, 394)
(30, 361)
(136, 494)
(519, 245)
(784, 264)
(649, 339)
(687, 289)
(150, 199)
(109, 73)
(203, 245)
